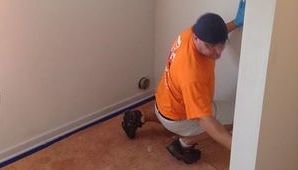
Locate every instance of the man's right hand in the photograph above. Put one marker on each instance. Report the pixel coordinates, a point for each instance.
(216, 130)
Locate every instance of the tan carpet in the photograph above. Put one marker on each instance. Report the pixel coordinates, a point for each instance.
(105, 147)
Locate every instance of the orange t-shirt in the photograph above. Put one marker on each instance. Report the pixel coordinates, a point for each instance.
(186, 88)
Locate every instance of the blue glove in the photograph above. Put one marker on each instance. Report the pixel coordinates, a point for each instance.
(240, 14)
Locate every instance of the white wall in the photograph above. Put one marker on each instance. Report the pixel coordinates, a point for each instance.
(62, 61)
(266, 117)
(251, 83)
(173, 16)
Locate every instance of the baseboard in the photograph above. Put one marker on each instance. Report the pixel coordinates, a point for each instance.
(41, 141)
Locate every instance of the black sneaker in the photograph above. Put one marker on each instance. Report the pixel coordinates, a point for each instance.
(188, 155)
(131, 122)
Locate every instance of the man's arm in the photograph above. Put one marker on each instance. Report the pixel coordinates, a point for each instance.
(231, 26)
(216, 130)
(239, 19)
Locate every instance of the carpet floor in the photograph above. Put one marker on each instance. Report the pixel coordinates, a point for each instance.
(105, 146)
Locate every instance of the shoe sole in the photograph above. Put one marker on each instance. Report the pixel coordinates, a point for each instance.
(179, 156)
(129, 127)
(129, 134)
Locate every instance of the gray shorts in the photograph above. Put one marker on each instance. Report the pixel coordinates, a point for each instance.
(183, 127)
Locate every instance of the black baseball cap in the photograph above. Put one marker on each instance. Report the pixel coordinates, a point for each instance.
(211, 28)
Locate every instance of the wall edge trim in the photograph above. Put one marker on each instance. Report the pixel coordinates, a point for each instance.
(50, 137)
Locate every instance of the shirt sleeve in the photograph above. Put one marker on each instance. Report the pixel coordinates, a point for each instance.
(197, 100)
